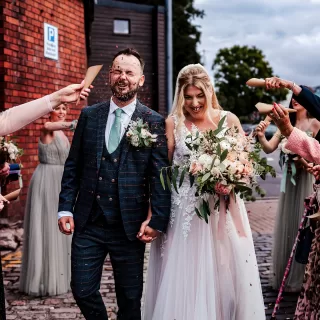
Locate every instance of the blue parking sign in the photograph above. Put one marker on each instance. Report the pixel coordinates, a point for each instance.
(51, 43)
(50, 33)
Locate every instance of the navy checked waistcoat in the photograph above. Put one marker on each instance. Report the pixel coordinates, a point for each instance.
(107, 194)
(138, 174)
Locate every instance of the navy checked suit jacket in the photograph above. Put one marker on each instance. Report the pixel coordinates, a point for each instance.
(138, 176)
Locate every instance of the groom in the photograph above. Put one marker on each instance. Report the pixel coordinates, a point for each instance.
(107, 187)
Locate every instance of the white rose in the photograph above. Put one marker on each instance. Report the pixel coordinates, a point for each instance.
(144, 133)
(239, 147)
(216, 162)
(215, 172)
(232, 168)
(225, 145)
(232, 140)
(135, 141)
(12, 156)
(205, 160)
(11, 150)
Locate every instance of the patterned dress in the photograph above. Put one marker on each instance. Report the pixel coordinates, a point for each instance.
(308, 306)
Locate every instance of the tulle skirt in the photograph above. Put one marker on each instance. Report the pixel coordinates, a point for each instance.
(203, 276)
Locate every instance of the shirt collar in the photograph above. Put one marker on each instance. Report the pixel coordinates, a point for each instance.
(129, 109)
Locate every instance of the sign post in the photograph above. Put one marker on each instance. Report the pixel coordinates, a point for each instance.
(51, 44)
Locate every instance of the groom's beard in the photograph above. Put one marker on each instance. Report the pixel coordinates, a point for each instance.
(124, 97)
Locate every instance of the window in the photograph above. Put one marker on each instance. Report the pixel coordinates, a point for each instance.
(121, 26)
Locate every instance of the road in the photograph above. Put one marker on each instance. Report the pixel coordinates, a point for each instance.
(272, 185)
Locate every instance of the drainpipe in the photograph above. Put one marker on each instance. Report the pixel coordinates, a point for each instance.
(169, 54)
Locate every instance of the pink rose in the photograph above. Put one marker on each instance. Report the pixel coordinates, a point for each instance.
(248, 169)
(243, 157)
(222, 189)
(195, 168)
(232, 156)
(239, 167)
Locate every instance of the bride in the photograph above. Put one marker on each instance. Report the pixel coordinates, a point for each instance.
(193, 273)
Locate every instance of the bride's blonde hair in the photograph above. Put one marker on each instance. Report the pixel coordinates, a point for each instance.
(195, 75)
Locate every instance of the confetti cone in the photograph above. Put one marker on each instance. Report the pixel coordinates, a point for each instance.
(254, 82)
(265, 108)
(92, 72)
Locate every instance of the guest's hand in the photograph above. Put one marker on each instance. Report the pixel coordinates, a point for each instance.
(316, 172)
(261, 128)
(66, 225)
(310, 167)
(68, 94)
(4, 172)
(280, 116)
(85, 93)
(277, 83)
(3, 201)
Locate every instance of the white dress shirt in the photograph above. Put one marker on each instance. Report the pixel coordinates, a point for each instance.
(125, 119)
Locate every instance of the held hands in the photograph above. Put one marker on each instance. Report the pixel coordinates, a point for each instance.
(66, 225)
(280, 116)
(147, 234)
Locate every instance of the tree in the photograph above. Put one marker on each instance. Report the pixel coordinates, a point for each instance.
(185, 35)
(232, 68)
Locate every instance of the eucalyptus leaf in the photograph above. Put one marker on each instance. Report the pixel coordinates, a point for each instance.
(198, 213)
(162, 180)
(182, 177)
(168, 181)
(204, 212)
(191, 177)
(224, 155)
(206, 177)
(174, 178)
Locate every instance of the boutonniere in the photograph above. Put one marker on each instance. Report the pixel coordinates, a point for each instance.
(138, 134)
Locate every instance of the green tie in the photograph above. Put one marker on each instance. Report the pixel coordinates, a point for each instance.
(115, 132)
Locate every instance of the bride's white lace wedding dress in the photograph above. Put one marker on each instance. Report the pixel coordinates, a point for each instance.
(195, 275)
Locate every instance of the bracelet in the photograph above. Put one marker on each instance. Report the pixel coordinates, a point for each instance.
(73, 125)
(292, 87)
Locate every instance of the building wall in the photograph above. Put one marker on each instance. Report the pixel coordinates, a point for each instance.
(26, 74)
(147, 35)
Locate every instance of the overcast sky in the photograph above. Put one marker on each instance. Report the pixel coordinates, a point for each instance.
(287, 31)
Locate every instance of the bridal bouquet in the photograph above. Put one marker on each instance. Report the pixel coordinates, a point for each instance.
(219, 165)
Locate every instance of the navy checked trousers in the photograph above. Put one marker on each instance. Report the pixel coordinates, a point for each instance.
(89, 250)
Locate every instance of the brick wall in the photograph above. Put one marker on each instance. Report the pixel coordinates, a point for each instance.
(28, 75)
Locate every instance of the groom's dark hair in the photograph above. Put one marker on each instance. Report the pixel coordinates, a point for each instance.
(130, 52)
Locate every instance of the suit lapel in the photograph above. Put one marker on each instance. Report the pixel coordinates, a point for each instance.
(103, 114)
(138, 113)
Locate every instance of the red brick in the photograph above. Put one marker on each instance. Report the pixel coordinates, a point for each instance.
(28, 75)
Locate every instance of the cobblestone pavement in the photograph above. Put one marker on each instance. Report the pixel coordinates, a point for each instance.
(261, 215)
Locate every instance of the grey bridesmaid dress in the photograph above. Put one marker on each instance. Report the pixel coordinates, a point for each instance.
(46, 261)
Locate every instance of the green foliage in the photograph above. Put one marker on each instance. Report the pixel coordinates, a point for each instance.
(185, 35)
(233, 67)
